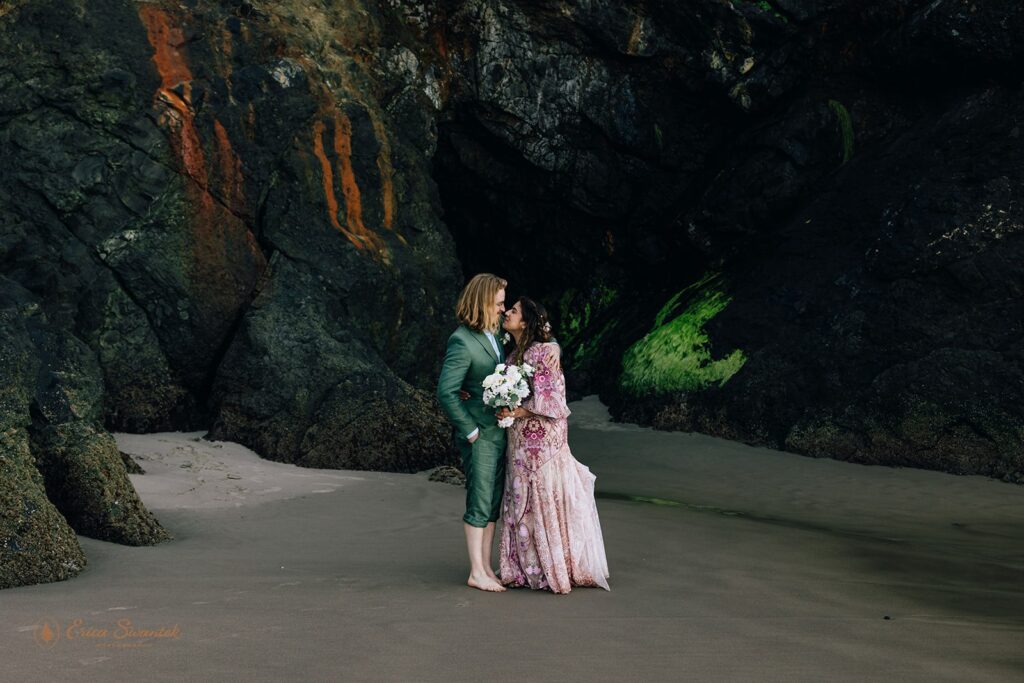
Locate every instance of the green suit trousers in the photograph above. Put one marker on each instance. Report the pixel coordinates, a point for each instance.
(483, 461)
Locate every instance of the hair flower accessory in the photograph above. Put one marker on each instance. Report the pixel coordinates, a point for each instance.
(547, 327)
(506, 338)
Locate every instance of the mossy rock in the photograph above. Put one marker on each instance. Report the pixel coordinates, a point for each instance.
(377, 423)
(676, 355)
(446, 474)
(142, 393)
(130, 465)
(87, 480)
(36, 543)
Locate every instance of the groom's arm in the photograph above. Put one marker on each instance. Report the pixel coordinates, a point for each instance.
(453, 374)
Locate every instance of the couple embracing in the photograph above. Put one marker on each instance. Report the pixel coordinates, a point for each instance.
(525, 475)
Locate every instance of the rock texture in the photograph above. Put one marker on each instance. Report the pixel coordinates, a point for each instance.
(212, 214)
(36, 542)
(789, 222)
(61, 472)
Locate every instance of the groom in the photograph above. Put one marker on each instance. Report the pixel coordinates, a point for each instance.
(473, 352)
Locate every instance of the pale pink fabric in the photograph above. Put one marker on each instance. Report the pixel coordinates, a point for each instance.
(551, 534)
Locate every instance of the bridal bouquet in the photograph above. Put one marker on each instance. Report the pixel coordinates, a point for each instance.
(507, 388)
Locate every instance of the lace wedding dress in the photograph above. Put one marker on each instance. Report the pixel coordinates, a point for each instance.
(551, 535)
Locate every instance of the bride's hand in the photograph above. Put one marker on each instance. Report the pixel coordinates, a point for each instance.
(515, 414)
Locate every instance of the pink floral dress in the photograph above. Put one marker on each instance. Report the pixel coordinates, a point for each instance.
(551, 535)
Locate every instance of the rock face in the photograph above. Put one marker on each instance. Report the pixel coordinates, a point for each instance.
(212, 214)
(36, 542)
(61, 472)
(792, 223)
(900, 341)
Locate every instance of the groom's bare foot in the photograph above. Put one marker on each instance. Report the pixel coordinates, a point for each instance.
(485, 583)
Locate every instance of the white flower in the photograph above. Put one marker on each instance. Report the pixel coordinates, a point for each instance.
(506, 388)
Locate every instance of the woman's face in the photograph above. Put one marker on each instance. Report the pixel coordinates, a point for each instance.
(514, 318)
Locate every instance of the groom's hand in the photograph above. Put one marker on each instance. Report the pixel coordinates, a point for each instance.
(463, 395)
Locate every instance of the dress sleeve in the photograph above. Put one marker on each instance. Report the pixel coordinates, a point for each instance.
(547, 397)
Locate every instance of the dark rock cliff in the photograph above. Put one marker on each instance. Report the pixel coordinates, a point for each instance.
(790, 222)
(212, 214)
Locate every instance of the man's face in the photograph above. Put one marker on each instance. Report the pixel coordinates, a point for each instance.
(499, 302)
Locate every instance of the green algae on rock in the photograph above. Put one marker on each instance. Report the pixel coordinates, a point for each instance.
(676, 354)
(845, 127)
(585, 322)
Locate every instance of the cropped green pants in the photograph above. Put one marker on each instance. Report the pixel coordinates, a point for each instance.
(484, 465)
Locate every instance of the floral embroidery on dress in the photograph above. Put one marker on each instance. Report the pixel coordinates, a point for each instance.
(533, 429)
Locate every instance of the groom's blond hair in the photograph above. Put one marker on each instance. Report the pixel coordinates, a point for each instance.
(475, 309)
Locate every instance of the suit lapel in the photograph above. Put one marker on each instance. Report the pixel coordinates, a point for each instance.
(482, 339)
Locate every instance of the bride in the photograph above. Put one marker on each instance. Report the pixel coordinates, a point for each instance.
(551, 534)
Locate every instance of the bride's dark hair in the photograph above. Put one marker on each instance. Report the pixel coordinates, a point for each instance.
(538, 329)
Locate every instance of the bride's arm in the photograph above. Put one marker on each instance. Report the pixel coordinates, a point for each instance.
(548, 385)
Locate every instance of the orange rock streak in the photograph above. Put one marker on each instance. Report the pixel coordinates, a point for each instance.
(226, 259)
(232, 182)
(354, 229)
(349, 187)
(175, 91)
(165, 38)
(387, 185)
(327, 173)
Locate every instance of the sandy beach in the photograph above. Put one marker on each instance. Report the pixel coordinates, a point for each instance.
(728, 563)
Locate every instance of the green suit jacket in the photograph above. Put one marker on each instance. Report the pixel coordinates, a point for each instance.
(468, 360)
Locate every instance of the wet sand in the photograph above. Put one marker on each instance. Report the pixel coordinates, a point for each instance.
(728, 563)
